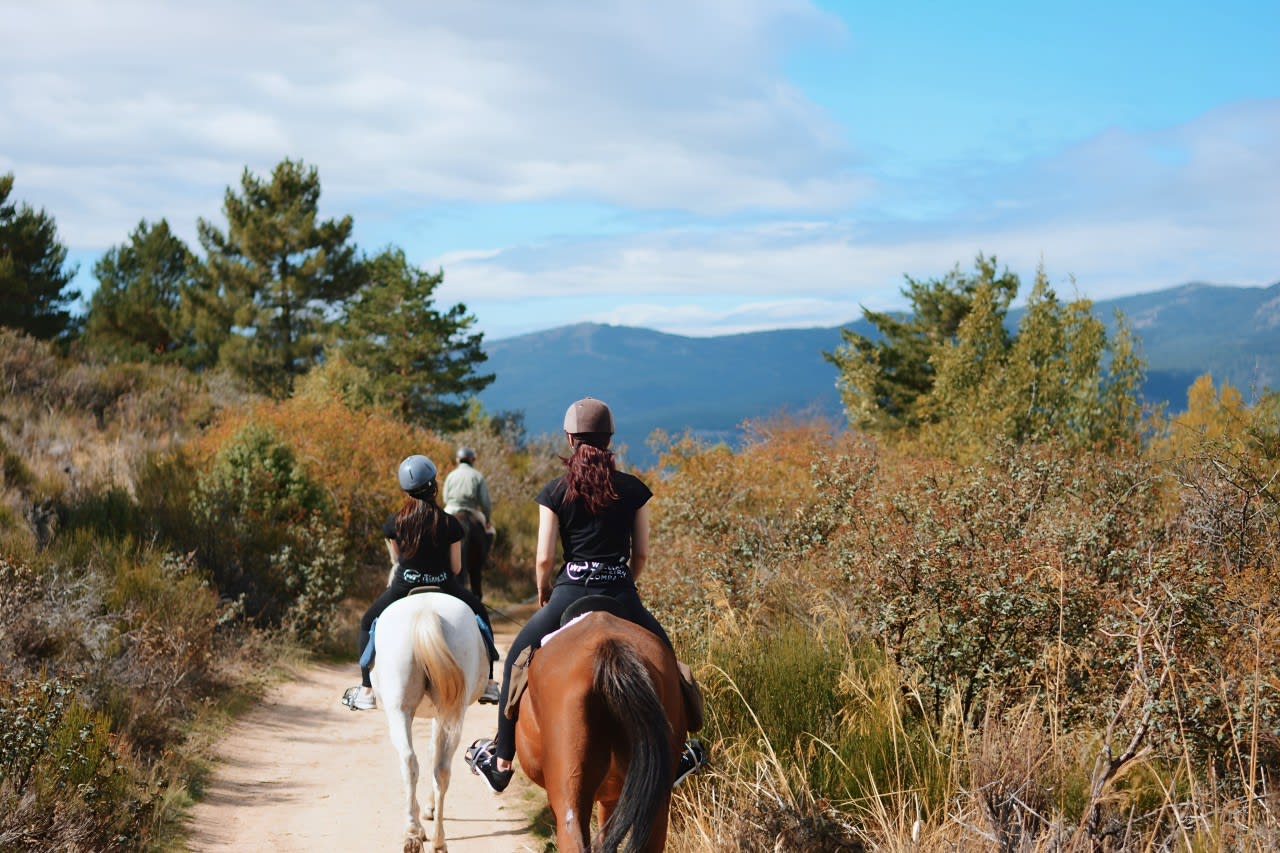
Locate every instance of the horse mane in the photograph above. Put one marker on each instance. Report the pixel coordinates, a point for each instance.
(623, 682)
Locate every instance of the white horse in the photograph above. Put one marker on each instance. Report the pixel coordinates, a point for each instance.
(428, 646)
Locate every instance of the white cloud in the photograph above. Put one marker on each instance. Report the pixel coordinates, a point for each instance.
(661, 105)
(1121, 213)
(110, 113)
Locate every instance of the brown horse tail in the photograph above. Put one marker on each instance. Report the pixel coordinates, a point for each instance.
(445, 680)
(623, 682)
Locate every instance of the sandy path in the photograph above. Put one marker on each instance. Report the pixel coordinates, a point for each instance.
(303, 773)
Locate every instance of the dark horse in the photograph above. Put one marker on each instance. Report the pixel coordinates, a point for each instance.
(603, 721)
(475, 549)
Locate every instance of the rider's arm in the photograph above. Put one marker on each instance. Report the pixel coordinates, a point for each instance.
(640, 542)
(455, 557)
(545, 556)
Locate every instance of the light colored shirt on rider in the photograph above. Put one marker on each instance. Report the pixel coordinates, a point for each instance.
(465, 488)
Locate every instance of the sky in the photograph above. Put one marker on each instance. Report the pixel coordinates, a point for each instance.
(699, 167)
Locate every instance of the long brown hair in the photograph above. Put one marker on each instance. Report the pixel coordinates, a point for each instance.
(418, 515)
(589, 473)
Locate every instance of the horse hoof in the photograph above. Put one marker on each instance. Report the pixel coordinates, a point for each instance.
(413, 840)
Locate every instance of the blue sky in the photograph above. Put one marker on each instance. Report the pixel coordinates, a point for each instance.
(695, 167)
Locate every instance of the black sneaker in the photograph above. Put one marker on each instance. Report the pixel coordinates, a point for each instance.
(483, 763)
(692, 758)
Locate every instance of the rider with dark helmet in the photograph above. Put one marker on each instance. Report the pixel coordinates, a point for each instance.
(423, 541)
(600, 518)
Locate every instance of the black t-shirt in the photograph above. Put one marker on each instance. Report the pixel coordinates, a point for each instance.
(604, 538)
(430, 563)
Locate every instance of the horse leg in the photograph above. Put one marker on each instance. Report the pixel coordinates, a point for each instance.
(570, 792)
(445, 734)
(400, 726)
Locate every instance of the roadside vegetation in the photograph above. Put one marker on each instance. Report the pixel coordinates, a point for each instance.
(1006, 609)
(995, 628)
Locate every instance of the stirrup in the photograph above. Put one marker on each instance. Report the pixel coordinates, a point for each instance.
(692, 758)
(483, 762)
(351, 698)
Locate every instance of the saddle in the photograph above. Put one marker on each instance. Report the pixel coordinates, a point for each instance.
(694, 703)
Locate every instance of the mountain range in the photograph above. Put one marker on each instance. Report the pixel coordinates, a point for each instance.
(711, 385)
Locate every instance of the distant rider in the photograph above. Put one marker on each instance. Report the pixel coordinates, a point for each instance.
(466, 497)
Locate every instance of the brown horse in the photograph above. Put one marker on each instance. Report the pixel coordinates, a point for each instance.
(603, 720)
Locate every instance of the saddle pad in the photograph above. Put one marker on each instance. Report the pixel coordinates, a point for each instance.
(519, 680)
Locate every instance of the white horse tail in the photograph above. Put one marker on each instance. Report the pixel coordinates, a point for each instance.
(446, 682)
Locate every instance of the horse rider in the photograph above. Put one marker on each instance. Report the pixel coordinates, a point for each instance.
(425, 546)
(466, 497)
(600, 516)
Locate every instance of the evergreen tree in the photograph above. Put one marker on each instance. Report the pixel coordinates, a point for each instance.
(33, 281)
(1058, 376)
(952, 371)
(136, 312)
(274, 280)
(882, 381)
(421, 362)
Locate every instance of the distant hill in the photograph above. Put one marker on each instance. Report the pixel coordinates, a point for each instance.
(711, 385)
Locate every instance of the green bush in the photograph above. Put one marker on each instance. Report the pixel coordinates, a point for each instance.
(63, 786)
(266, 532)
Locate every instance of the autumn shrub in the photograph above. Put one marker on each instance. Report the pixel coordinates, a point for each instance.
(28, 366)
(735, 531)
(980, 576)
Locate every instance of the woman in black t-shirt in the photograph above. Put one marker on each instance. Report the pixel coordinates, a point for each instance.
(600, 516)
(425, 545)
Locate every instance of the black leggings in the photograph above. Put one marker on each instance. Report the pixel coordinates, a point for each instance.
(399, 589)
(546, 620)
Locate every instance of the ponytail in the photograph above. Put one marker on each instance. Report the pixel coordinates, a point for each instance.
(589, 473)
(420, 514)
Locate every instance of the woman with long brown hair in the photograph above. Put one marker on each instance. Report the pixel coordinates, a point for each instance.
(426, 550)
(600, 518)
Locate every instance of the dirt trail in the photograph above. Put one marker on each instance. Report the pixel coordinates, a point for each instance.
(303, 773)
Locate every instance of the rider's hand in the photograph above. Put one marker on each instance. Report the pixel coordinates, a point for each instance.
(544, 595)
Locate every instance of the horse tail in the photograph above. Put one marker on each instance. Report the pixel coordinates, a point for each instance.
(623, 682)
(446, 682)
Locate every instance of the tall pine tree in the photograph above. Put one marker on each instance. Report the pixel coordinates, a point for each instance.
(421, 362)
(274, 280)
(882, 381)
(34, 294)
(136, 312)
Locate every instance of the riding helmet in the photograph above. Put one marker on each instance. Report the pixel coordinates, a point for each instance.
(417, 472)
(466, 454)
(588, 415)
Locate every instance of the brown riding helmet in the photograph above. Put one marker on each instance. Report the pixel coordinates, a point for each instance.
(588, 415)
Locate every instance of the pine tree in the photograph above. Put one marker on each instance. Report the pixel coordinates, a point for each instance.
(33, 279)
(273, 282)
(136, 312)
(1058, 377)
(882, 381)
(421, 361)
